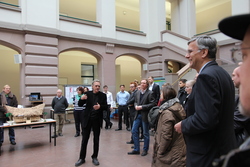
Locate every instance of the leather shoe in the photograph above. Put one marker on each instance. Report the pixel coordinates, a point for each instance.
(54, 136)
(134, 152)
(95, 161)
(80, 162)
(118, 129)
(13, 142)
(77, 134)
(130, 142)
(144, 153)
(110, 125)
(60, 134)
(133, 147)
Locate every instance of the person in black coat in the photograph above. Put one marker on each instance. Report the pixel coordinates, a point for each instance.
(238, 28)
(96, 102)
(155, 88)
(182, 94)
(208, 129)
(241, 122)
(9, 99)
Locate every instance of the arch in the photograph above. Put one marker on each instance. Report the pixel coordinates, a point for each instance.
(9, 68)
(73, 60)
(136, 56)
(10, 45)
(92, 52)
(128, 69)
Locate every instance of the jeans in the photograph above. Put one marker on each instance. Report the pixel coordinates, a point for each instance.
(135, 133)
(11, 132)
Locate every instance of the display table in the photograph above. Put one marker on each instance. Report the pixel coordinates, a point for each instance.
(68, 111)
(41, 122)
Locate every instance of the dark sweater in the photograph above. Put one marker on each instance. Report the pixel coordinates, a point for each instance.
(59, 105)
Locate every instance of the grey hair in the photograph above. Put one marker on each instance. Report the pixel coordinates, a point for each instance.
(60, 90)
(96, 80)
(206, 42)
(191, 82)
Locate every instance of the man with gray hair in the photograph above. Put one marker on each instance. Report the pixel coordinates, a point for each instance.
(208, 129)
(96, 103)
(59, 104)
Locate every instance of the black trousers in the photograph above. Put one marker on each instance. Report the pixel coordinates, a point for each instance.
(131, 118)
(93, 124)
(106, 116)
(78, 114)
(121, 110)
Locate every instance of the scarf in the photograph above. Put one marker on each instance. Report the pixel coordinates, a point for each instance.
(168, 104)
(4, 99)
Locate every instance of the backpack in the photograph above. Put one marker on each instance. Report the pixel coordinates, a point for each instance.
(153, 117)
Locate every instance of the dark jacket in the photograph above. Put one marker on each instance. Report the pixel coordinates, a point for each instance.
(237, 157)
(131, 102)
(169, 146)
(102, 101)
(156, 92)
(147, 102)
(11, 99)
(208, 129)
(59, 105)
(241, 124)
(182, 94)
(2, 109)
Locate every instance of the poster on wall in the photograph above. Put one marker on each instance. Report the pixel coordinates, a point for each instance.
(70, 91)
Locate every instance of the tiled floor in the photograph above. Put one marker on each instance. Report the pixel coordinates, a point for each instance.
(34, 150)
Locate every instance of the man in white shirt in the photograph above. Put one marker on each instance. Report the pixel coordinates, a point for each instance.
(106, 114)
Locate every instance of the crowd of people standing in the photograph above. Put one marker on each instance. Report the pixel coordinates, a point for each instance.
(203, 124)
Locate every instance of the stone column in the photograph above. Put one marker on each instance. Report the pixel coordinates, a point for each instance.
(109, 73)
(183, 17)
(240, 7)
(152, 19)
(105, 13)
(37, 14)
(155, 62)
(40, 66)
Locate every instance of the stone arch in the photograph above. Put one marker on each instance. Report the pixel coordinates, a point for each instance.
(92, 58)
(9, 68)
(12, 46)
(131, 66)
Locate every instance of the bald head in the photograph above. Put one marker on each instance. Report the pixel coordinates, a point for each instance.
(235, 77)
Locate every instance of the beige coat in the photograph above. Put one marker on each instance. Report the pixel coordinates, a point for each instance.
(169, 146)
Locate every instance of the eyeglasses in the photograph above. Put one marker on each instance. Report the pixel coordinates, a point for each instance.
(190, 51)
(234, 51)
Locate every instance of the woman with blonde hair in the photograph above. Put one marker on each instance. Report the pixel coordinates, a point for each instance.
(169, 146)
